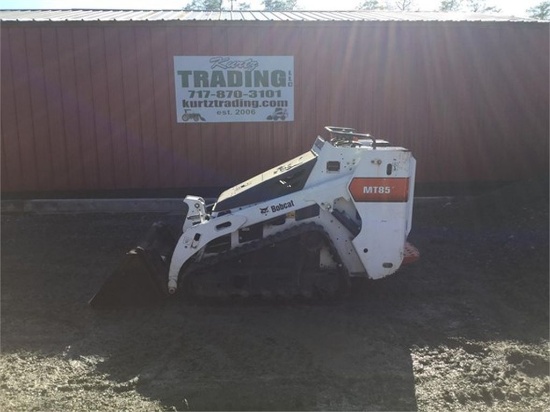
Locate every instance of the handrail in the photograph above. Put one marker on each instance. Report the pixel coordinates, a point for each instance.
(346, 134)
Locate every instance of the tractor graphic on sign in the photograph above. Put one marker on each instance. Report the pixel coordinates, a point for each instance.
(278, 114)
(188, 115)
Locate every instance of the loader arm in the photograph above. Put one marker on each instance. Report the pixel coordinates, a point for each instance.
(195, 238)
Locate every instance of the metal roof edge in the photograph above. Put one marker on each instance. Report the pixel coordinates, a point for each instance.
(181, 15)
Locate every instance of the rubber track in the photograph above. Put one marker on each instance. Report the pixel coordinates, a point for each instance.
(270, 241)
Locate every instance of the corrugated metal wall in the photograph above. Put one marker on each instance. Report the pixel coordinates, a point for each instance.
(91, 106)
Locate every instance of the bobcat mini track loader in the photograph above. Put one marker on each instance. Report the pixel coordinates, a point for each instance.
(304, 228)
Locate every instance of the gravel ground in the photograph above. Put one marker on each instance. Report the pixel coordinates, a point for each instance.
(464, 329)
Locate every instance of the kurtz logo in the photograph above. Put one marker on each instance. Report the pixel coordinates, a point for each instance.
(227, 63)
(282, 206)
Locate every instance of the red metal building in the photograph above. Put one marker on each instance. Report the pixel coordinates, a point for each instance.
(88, 104)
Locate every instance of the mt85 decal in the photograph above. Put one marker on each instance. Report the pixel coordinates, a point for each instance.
(370, 189)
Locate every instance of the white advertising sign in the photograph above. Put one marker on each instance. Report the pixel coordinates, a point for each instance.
(234, 88)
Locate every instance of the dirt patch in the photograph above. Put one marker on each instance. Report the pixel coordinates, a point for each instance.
(466, 328)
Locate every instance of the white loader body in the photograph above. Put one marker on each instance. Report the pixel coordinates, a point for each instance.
(357, 189)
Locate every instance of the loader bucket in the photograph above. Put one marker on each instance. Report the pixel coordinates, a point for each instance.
(142, 276)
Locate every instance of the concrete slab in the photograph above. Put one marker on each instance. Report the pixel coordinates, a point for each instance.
(50, 206)
(146, 205)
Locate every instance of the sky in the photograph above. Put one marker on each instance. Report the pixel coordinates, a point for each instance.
(508, 7)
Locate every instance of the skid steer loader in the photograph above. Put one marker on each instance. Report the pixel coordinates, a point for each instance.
(304, 228)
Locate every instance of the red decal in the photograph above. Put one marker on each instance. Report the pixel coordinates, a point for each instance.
(373, 189)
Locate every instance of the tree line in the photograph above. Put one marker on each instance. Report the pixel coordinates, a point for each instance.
(540, 11)
(212, 5)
